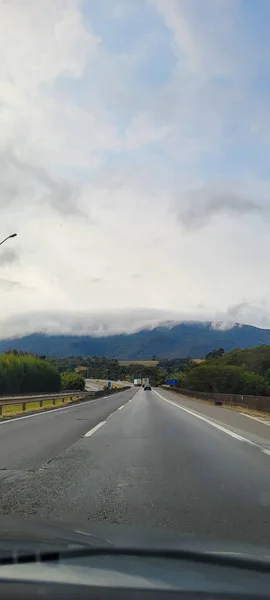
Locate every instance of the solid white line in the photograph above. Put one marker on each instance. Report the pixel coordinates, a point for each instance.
(54, 410)
(260, 420)
(120, 407)
(229, 432)
(94, 429)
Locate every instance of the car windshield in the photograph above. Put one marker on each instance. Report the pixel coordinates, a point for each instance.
(134, 258)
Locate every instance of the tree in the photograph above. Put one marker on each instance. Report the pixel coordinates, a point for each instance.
(26, 373)
(253, 384)
(72, 381)
(212, 376)
(215, 354)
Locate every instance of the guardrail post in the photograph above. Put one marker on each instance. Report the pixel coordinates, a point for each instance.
(54, 399)
(40, 403)
(23, 406)
(1, 410)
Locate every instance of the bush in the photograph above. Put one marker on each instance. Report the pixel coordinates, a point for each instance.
(72, 381)
(254, 384)
(228, 379)
(27, 374)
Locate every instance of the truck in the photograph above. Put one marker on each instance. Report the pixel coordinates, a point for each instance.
(145, 381)
(137, 382)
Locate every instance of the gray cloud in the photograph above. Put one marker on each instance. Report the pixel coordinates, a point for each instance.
(249, 312)
(207, 203)
(112, 322)
(8, 257)
(86, 323)
(105, 323)
(19, 179)
(9, 285)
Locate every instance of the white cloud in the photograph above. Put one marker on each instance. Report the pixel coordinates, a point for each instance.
(132, 162)
(142, 131)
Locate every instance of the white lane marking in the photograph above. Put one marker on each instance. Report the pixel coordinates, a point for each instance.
(229, 432)
(260, 420)
(94, 429)
(138, 392)
(55, 410)
(120, 407)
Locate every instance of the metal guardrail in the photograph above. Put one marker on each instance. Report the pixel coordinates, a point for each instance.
(56, 395)
(47, 401)
(38, 402)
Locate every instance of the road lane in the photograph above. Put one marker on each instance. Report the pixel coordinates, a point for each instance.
(152, 464)
(95, 385)
(92, 386)
(257, 432)
(26, 443)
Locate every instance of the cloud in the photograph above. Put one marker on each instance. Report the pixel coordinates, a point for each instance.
(104, 323)
(9, 285)
(85, 323)
(134, 143)
(33, 184)
(8, 257)
(250, 312)
(205, 203)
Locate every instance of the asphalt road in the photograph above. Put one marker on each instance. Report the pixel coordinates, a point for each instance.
(28, 442)
(159, 461)
(93, 384)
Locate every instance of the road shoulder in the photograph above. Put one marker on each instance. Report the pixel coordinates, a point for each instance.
(257, 431)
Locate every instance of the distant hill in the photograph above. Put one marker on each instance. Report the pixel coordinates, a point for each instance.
(185, 339)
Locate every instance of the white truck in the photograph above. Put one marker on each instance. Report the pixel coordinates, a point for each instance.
(137, 382)
(145, 381)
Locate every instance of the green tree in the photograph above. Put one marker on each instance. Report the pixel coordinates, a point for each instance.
(254, 384)
(215, 354)
(25, 373)
(230, 379)
(72, 381)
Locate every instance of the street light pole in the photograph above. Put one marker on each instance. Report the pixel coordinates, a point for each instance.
(8, 237)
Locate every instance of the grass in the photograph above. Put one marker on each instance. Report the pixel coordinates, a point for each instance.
(146, 363)
(14, 410)
(11, 410)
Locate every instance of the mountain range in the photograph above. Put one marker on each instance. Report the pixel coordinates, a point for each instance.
(194, 339)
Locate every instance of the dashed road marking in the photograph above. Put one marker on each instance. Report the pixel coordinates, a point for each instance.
(89, 433)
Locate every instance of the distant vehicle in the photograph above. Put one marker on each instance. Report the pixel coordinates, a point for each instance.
(145, 381)
(137, 382)
(147, 387)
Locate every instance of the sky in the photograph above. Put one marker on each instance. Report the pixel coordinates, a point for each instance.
(134, 163)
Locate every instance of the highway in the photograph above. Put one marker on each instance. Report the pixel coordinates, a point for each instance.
(150, 459)
(95, 385)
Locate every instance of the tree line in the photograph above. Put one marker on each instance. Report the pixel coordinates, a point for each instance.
(239, 371)
(99, 367)
(236, 372)
(25, 374)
